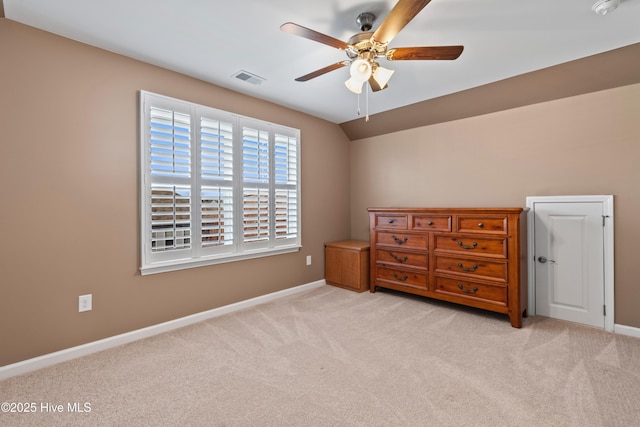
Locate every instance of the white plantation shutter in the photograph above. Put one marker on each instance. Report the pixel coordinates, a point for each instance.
(217, 216)
(170, 167)
(170, 218)
(255, 155)
(215, 187)
(216, 150)
(255, 214)
(286, 214)
(255, 176)
(170, 143)
(216, 173)
(286, 160)
(286, 186)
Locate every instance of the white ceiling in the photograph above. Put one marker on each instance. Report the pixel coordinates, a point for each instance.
(213, 39)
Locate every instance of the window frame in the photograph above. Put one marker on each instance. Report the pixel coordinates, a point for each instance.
(158, 261)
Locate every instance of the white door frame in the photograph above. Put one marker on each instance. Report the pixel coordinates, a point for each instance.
(607, 203)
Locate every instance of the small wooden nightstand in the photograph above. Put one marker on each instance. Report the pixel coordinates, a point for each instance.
(347, 264)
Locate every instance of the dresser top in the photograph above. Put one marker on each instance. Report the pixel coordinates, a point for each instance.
(449, 210)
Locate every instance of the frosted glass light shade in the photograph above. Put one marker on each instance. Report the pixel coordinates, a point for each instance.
(382, 76)
(360, 70)
(354, 85)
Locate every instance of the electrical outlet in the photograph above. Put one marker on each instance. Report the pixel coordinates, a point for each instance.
(84, 303)
(308, 259)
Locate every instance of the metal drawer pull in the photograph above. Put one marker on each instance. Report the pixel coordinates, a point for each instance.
(473, 246)
(430, 223)
(402, 279)
(473, 267)
(391, 221)
(467, 291)
(400, 241)
(404, 259)
(481, 225)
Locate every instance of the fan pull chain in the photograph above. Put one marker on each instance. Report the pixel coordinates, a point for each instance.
(358, 104)
(367, 102)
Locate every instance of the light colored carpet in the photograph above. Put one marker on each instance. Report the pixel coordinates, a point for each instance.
(330, 357)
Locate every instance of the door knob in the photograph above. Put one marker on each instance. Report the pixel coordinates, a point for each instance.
(543, 260)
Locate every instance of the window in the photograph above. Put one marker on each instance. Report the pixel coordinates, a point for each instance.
(216, 187)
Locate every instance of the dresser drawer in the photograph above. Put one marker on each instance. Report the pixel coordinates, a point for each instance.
(401, 277)
(480, 268)
(432, 222)
(472, 245)
(403, 258)
(405, 240)
(495, 224)
(494, 293)
(398, 222)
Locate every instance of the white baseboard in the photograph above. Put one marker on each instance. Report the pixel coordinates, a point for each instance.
(627, 330)
(50, 359)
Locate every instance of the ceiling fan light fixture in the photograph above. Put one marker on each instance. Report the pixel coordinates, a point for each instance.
(354, 85)
(360, 70)
(602, 7)
(364, 48)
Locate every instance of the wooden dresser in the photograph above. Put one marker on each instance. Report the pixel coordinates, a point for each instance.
(471, 256)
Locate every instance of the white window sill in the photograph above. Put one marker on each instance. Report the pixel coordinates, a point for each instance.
(163, 267)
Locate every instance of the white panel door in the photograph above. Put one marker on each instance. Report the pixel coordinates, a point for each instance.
(569, 261)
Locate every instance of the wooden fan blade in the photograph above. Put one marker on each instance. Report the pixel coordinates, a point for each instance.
(301, 31)
(401, 14)
(425, 52)
(322, 71)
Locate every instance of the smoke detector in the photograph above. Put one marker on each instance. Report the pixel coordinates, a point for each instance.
(602, 7)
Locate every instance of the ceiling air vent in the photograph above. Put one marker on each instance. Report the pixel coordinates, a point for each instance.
(248, 77)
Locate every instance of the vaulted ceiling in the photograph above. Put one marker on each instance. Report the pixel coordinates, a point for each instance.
(515, 52)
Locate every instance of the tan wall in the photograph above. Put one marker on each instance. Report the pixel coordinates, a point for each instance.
(69, 197)
(587, 144)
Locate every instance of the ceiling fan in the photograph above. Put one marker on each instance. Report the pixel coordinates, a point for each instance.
(364, 48)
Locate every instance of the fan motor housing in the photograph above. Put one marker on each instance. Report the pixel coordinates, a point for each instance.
(363, 42)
